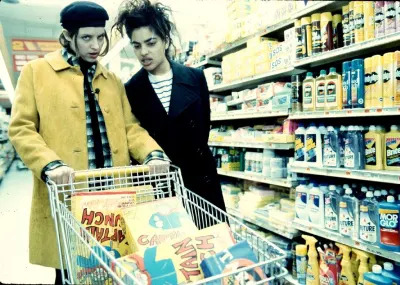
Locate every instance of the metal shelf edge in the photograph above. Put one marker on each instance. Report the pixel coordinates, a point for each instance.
(242, 175)
(283, 146)
(395, 111)
(250, 115)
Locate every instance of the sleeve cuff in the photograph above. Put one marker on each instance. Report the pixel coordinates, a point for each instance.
(52, 165)
(157, 154)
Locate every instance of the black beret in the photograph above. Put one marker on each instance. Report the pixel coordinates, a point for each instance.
(82, 14)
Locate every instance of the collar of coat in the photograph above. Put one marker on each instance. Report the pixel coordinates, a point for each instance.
(58, 63)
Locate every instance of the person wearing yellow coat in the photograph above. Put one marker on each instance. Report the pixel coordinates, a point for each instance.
(71, 113)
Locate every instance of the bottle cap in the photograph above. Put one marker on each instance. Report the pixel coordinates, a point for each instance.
(394, 128)
(384, 192)
(345, 186)
(301, 125)
(372, 128)
(390, 199)
(322, 72)
(332, 69)
(332, 188)
(364, 189)
(370, 194)
(377, 193)
(312, 125)
(343, 128)
(330, 129)
(309, 74)
(388, 266)
(377, 269)
(349, 191)
(392, 192)
(371, 188)
(301, 249)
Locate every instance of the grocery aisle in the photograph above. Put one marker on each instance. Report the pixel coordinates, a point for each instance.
(15, 203)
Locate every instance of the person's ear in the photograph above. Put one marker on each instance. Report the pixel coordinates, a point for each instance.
(67, 35)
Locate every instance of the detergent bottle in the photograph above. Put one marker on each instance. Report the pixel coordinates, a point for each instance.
(313, 146)
(346, 276)
(331, 148)
(309, 93)
(360, 135)
(352, 149)
(312, 266)
(333, 94)
(389, 225)
(342, 143)
(369, 219)
(354, 264)
(373, 149)
(320, 91)
(315, 206)
(348, 214)
(301, 201)
(378, 196)
(388, 271)
(362, 258)
(392, 149)
(371, 261)
(301, 263)
(300, 142)
(322, 133)
(375, 277)
(332, 209)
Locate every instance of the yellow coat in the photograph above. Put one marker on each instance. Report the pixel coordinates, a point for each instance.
(48, 122)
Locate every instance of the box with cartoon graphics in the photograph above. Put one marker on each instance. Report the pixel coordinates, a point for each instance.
(156, 222)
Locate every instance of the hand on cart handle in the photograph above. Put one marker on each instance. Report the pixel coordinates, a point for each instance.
(158, 165)
(61, 175)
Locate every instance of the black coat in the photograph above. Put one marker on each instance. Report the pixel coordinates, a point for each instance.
(183, 132)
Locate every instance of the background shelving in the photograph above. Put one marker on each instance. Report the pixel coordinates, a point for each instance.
(255, 178)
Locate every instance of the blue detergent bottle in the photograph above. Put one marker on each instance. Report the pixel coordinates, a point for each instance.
(388, 271)
(352, 151)
(360, 135)
(375, 277)
(331, 148)
(389, 230)
(369, 219)
(342, 138)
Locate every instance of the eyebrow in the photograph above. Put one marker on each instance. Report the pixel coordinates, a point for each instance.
(146, 41)
(89, 35)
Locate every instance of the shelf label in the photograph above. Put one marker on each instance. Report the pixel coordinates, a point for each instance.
(366, 110)
(349, 111)
(348, 173)
(379, 110)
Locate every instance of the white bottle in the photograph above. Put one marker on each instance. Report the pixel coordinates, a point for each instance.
(331, 208)
(348, 215)
(313, 146)
(300, 145)
(323, 131)
(301, 202)
(315, 206)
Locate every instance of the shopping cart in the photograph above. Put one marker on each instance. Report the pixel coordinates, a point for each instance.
(74, 240)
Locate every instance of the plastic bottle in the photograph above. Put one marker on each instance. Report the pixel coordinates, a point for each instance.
(316, 33)
(390, 17)
(392, 149)
(354, 264)
(313, 146)
(389, 78)
(351, 23)
(358, 21)
(331, 148)
(301, 202)
(306, 36)
(312, 266)
(345, 22)
(379, 19)
(352, 154)
(388, 271)
(300, 48)
(357, 83)
(367, 82)
(362, 258)
(323, 131)
(377, 82)
(326, 31)
(369, 20)
(348, 215)
(342, 144)
(346, 85)
(315, 206)
(389, 237)
(371, 261)
(384, 194)
(337, 29)
(373, 149)
(378, 196)
(397, 4)
(369, 219)
(309, 93)
(375, 277)
(333, 93)
(360, 134)
(332, 209)
(300, 140)
(320, 91)
(397, 72)
(363, 193)
(297, 93)
(301, 263)
(346, 276)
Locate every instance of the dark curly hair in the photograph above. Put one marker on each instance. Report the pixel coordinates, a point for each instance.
(134, 14)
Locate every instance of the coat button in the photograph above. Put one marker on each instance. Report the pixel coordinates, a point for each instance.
(207, 179)
(192, 123)
(77, 149)
(199, 151)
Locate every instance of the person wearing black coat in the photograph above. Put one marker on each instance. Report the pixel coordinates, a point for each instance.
(170, 100)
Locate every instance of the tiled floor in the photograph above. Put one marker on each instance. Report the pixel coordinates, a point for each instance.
(15, 203)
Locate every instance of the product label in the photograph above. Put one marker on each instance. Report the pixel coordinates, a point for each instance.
(390, 13)
(321, 94)
(307, 96)
(370, 151)
(301, 265)
(367, 79)
(349, 155)
(398, 73)
(331, 215)
(355, 88)
(379, 17)
(316, 38)
(331, 93)
(299, 147)
(346, 221)
(311, 145)
(314, 215)
(389, 227)
(345, 92)
(310, 274)
(359, 21)
(374, 77)
(386, 76)
(329, 154)
(368, 229)
(299, 43)
(301, 204)
(393, 152)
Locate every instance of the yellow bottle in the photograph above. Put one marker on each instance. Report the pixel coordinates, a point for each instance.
(388, 79)
(333, 93)
(371, 261)
(351, 22)
(376, 82)
(358, 21)
(309, 93)
(320, 91)
(354, 264)
(346, 276)
(362, 257)
(367, 82)
(373, 149)
(313, 266)
(306, 35)
(392, 149)
(369, 20)
(397, 75)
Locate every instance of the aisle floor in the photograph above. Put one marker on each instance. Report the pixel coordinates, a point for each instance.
(15, 203)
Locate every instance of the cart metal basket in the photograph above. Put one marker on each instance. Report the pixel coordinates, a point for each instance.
(74, 240)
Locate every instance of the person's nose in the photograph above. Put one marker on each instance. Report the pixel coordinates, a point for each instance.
(95, 44)
(144, 51)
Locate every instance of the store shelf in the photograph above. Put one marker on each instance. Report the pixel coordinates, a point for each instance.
(319, 6)
(346, 113)
(229, 48)
(347, 241)
(207, 62)
(355, 50)
(262, 224)
(392, 177)
(257, 178)
(284, 146)
(255, 80)
(259, 113)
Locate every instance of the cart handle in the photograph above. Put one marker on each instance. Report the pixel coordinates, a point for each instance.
(83, 175)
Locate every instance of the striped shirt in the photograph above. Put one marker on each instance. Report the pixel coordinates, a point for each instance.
(162, 85)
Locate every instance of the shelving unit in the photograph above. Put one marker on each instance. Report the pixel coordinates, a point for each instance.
(346, 113)
(254, 114)
(263, 224)
(207, 62)
(347, 241)
(391, 177)
(284, 146)
(255, 178)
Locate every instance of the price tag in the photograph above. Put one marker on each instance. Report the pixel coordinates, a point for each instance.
(308, 169)
(379, 110)
(348, 173)
(349, 112)
(366, 111)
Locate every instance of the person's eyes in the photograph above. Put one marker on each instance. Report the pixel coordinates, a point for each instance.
(152, 44)
(101, 37)
(86, 38)
(136, 46)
